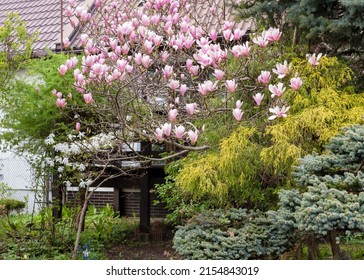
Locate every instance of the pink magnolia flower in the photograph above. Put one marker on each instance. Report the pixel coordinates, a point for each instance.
(281, 69)
(179, 131)
(148, 46)
(258, 98)
(167, 128)
(213, 35)
(192, 135)
(72, 3)
(194, 70)
(183, 89)
(159, 134)
(231, 85)
(188, 42)
(121, 64)
(189, 64)
(138, 58)
(129, 68)
(62, 69)
(84, 38)
(228, 35)
(264, 77)
(237, 113)
(164, 56)
(125, 48)
(273, 34)
(241, 50)
(277, 90)
(278, 112)
(261, 41)
(173, 84)
(206, 87)
(61, 102)
(78, 126)
(296, 83)
(145, 20)
(167, 71)
(238, 104)
(172, 115)
(146, 60)
(66, 43)
(87, 97)
(190, 108)
(238, 33)
(219, 74)
(313, 59)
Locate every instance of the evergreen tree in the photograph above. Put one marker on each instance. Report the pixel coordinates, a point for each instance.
(333, 23)
(342, 166)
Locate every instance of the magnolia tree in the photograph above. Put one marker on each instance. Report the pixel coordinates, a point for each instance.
(152, 73)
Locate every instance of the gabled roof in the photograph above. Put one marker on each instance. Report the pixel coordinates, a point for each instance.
(43, 16)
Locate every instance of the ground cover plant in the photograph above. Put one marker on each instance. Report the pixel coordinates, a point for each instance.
(39, 236)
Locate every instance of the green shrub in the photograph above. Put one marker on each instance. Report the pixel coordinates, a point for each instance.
(10, 204)
(234, 234)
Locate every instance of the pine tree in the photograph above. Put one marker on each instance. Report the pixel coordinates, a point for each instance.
(341, 166)
(332, 23)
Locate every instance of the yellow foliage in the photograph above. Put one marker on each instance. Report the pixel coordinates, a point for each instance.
(318, 113)
(223, 174)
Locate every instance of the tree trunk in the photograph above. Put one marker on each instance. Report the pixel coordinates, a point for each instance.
(80, 224)
(313, 248)
(337, 253)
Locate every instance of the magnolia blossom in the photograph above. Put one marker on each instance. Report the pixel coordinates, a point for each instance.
(241, 50)
(261, 41)
(179, 131)
(78, 126)
(277, 90)
(237, 113)
(213, 35)
(264, 77)
(61, 102)
(281, 69)
(190, 108)
(167, 128)
(206, 87)
(192, 135)
(296, 83)
(172, 115)
(273, 34)
(173, 84)
(62, 69)
(231, 85)
(159, 134)
(66, 43)
(146, 61)
(278, 112)
(183, 89)
(258, 98)
(313, 59)
(167, 71)
(219, 74)
(87, 97)
(238, 104)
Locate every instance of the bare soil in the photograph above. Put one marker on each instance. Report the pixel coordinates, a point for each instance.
(138, 250)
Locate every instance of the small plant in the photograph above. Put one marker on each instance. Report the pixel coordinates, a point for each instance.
(9, 205)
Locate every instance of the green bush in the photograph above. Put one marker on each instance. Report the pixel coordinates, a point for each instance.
(41, 237)
(234, 234)
(10, 204)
